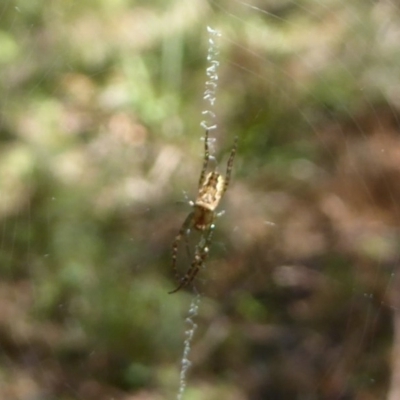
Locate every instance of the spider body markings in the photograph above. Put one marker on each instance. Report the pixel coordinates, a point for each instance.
(212, 187)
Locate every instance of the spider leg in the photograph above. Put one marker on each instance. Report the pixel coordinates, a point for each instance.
(230, 164)
(205, 161)
(191, 273)
(182, 232)
(200, 257)
(220, 214)
(206, 240)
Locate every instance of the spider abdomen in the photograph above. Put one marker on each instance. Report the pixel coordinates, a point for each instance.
(211, 191)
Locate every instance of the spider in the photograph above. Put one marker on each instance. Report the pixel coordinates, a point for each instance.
(212, 186)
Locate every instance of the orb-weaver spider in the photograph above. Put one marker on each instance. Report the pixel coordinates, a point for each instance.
(212, 186)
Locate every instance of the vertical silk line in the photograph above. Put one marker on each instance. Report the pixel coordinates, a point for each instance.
(209, 123)
(210, 92)
(189, 333)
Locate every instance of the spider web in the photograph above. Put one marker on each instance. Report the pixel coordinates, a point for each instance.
(101, 119)
(324, 303)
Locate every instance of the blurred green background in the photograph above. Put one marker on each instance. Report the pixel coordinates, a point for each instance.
(100, 140)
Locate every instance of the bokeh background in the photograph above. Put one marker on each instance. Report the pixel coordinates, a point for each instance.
(100, 143)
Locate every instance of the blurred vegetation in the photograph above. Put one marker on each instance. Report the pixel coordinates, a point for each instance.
(100, 106)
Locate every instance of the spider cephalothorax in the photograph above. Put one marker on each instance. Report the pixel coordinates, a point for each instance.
(212, 186)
